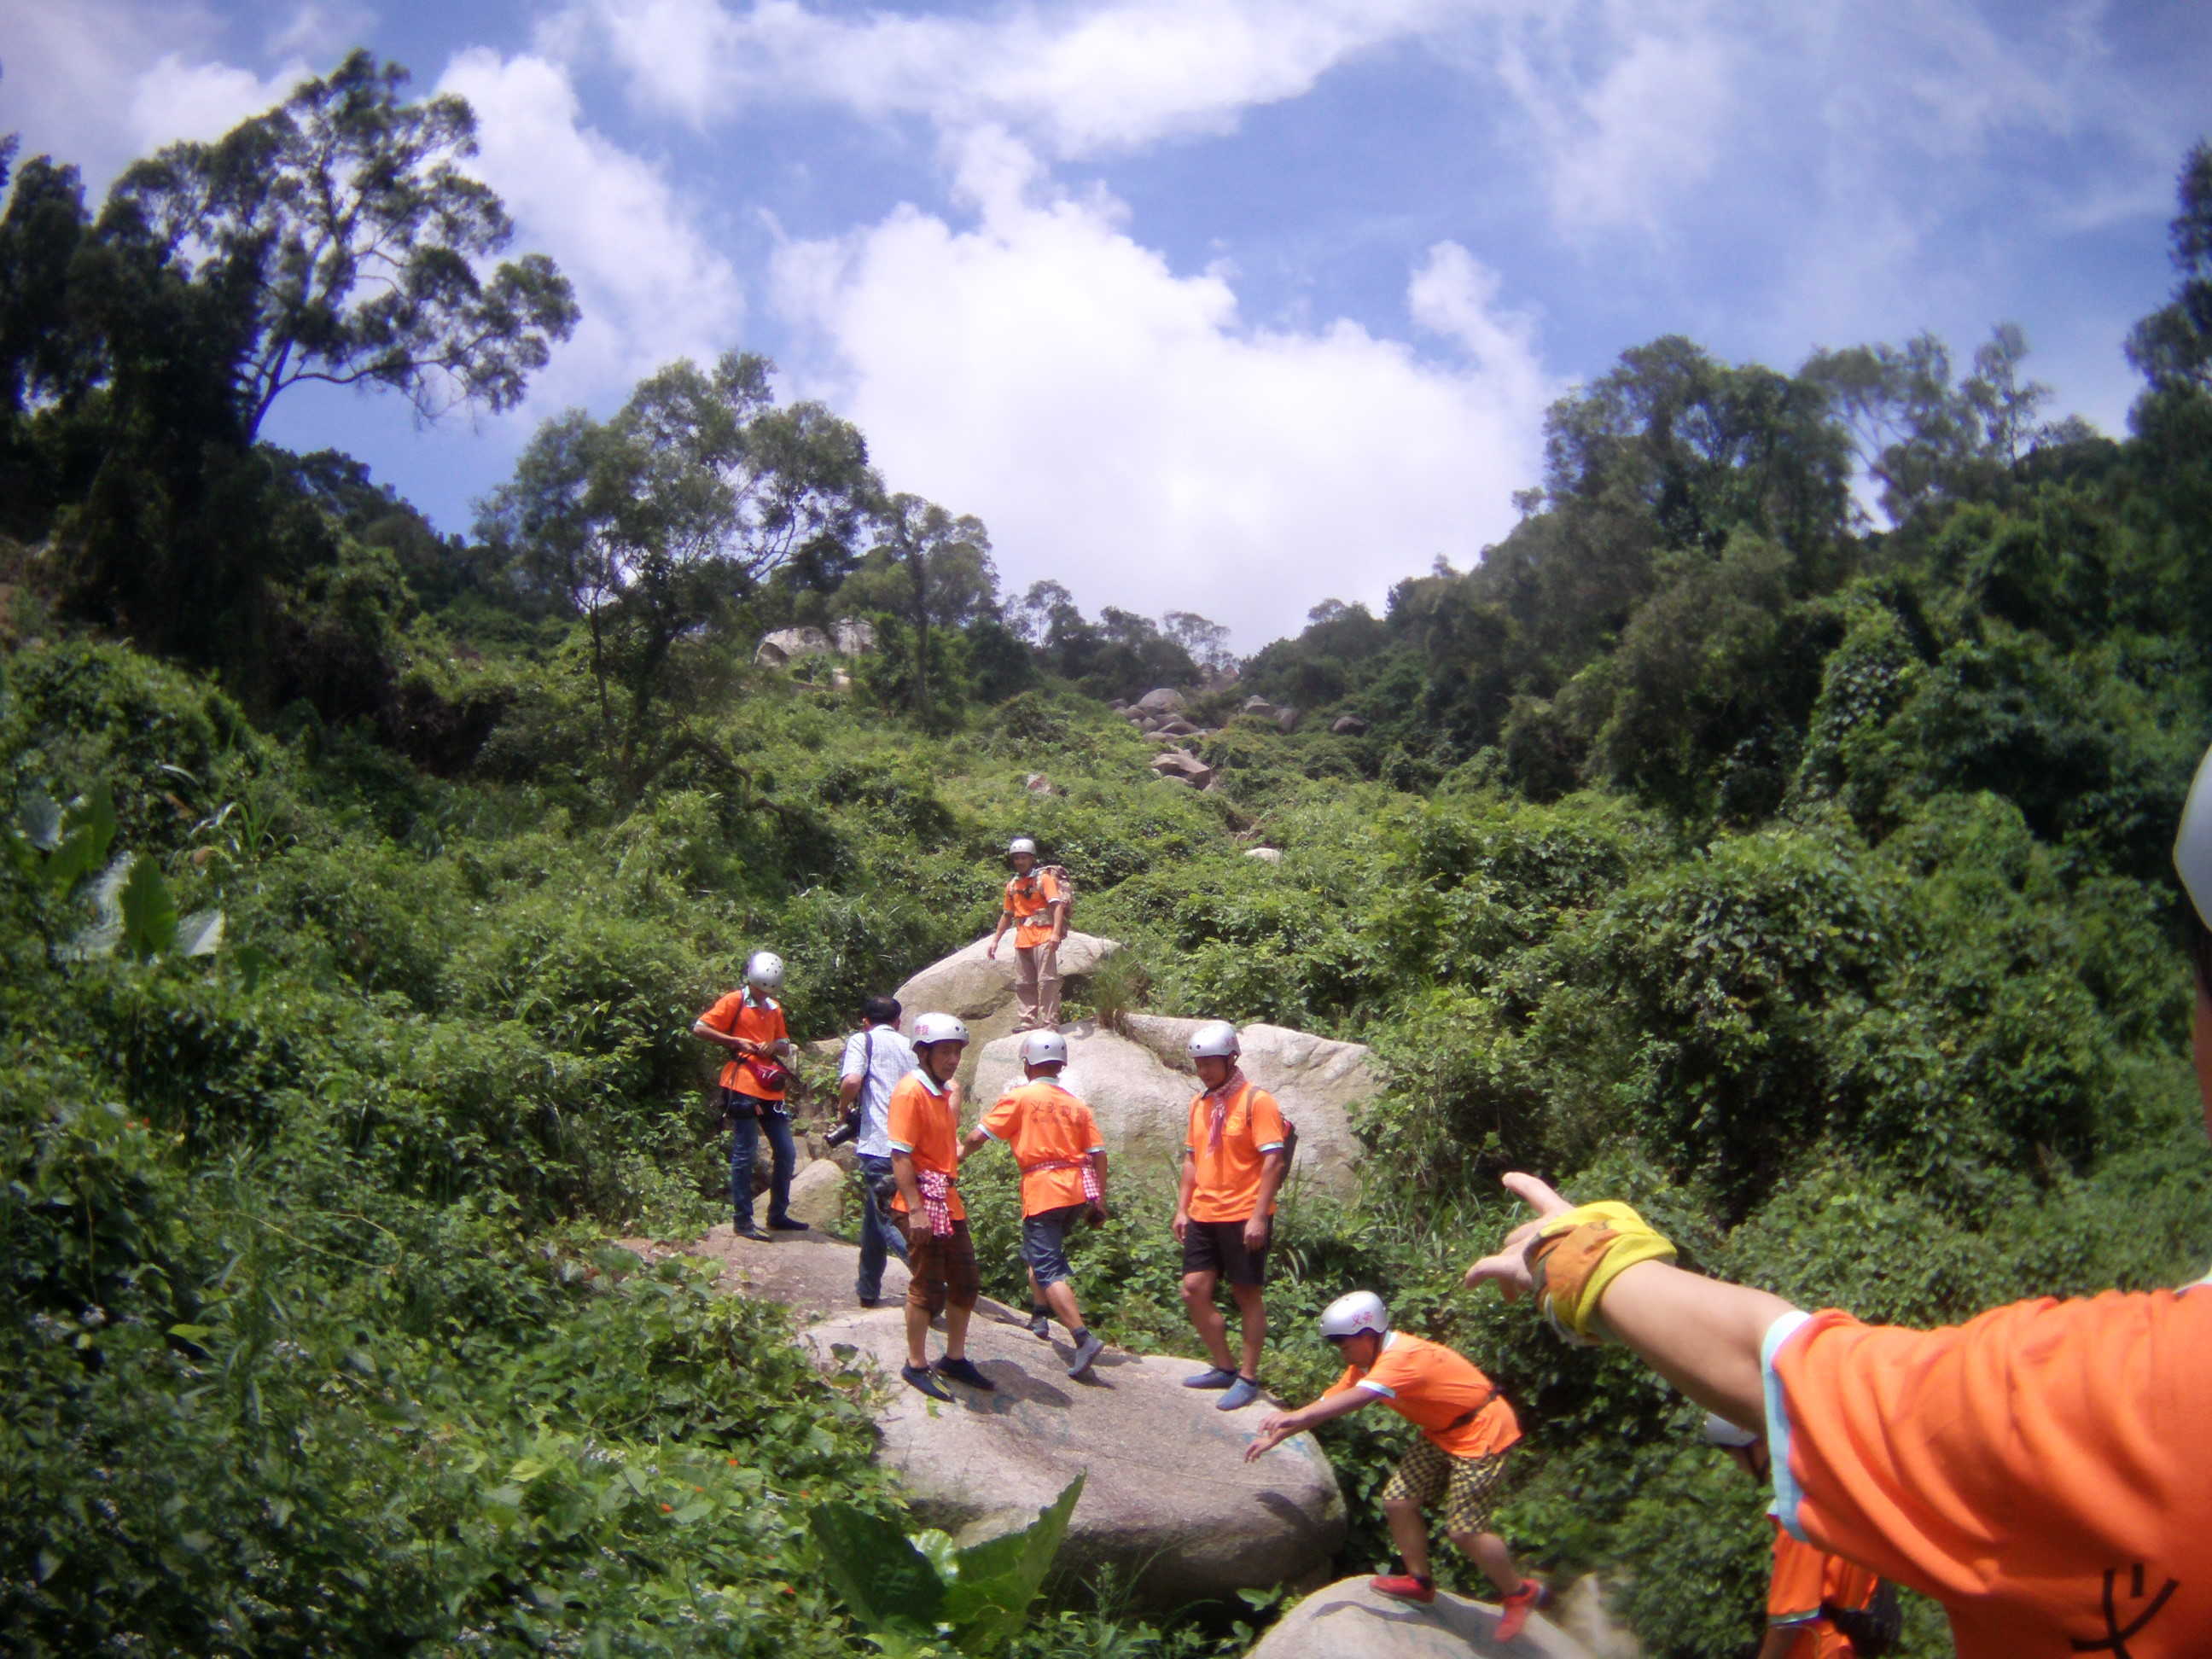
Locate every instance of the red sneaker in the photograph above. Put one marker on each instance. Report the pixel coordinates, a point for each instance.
(1514, 1610)
(1404, 1587)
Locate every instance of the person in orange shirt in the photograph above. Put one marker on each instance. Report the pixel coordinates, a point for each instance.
(1036, 909)
(753, 1084)
(2038, 1470)
(1466, 1428)
(924, 1128)
(1055, 1140)
(1805, 1583)
(1233, 1161)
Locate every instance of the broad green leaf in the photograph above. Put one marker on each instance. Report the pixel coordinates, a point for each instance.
(71, 861)
(253, 964)
(883, 1578)
(95, 810)
(149, 912)
(999, 1578)
(200, 934)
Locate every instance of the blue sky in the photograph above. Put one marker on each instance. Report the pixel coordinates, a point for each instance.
(1228, 306)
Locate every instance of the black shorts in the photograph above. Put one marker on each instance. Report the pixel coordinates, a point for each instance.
(1218, 1246)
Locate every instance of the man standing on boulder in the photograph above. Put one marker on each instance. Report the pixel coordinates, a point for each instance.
(876, 1057)
(924, 1143)
(754, 1081)
(1234, 1158)
(1055, 1140)
(1466, 1428)
(1034, 899)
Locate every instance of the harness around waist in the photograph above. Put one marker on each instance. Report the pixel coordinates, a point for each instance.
(1090, 1172)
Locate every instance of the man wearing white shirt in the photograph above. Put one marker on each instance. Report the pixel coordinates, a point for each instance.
(876, 1058)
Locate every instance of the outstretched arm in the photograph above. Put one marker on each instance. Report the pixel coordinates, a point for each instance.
(1702, 1334)
(1279, 1426)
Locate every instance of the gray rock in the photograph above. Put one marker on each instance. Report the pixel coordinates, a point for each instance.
(1265, 854)
(1140, 1089)
(1348, 1618)
(1163, 700)
(808, 1272)
(1177, 727)
(818, 1195)
(1348, 726)
(1037, 784)
(787, 645)
(1168, 1500)
(1184, 767)
(853, 635)
(980, 991)
(1287, 720)
(1581, 1613)
(1261, 706)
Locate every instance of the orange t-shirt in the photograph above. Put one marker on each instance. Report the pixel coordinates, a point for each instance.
(1028, 901)
(734, 1015)
(1432, 1387)
(1803, 1579)
(1041, 1122)
(2037, 1470)
(920, 1123)
(1227, 1184)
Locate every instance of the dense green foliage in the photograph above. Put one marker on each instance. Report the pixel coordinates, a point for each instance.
(1801, 883)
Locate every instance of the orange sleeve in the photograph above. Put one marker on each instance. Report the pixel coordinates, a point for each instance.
(1049, 885)
(1001, 1121)
(723, 1015)
(1092, 1140)
(1793, 1592)
(1267, 1120)
(1348, 1380)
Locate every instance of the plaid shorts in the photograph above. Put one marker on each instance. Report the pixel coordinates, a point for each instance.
(1468, 1485)
(940, 1270)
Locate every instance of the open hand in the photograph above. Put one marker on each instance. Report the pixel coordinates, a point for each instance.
(1275, 1428)
(1181, 1225)
(1510, 1265)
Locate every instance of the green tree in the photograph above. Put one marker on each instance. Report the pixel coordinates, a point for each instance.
(348, 246)
(2173, 346)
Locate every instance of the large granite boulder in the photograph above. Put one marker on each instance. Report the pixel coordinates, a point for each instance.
(853, 636)
(1348, 1618)
(1169, 1502)
(817, 1193)
(1165, 701)
(980, 991)
(1183, 767)
(1139, 1086)
(787, 645)
(809, 1273)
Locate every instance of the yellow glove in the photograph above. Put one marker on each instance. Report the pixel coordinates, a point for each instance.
(1578, 1254)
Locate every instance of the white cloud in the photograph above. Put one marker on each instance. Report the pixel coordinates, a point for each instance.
(323, 32)
(650, 285)
(176, 101)
(1080, 80)
(1120, 428)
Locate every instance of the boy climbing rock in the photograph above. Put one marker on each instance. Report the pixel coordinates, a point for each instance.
(1466, 1429)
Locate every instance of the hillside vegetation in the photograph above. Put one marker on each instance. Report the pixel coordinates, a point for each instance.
(1802, 883)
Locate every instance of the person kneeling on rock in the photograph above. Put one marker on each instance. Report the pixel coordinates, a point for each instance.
(924, 1130)
(1466, 1428)
(1055, 1140)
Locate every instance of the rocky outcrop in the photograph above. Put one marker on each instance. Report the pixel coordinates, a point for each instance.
(1169, 1502)
(1348, 726)
(1265, 854)
(1348, 1618)
(1287, 720)
(818, 1195)
(788, 645)
(1037, 784)
(1165, 701)
(1259, 708)
(853, 636)
(809, 1273)
(1139, 1087)
(980, 991)
(1183, 767)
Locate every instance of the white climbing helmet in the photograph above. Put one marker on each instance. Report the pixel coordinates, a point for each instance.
(1044, 1048)
(1215, 1040)
(2192, 845)
(764, 971)
(938, 1028)
(1021, 844)
(1719, 1431)
(1348, 1315)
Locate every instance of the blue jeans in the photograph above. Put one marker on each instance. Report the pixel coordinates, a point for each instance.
(744, 1142)
(880, 1236)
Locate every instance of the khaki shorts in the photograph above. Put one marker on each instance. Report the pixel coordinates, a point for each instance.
(940, 1270)
(1468, 1485)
